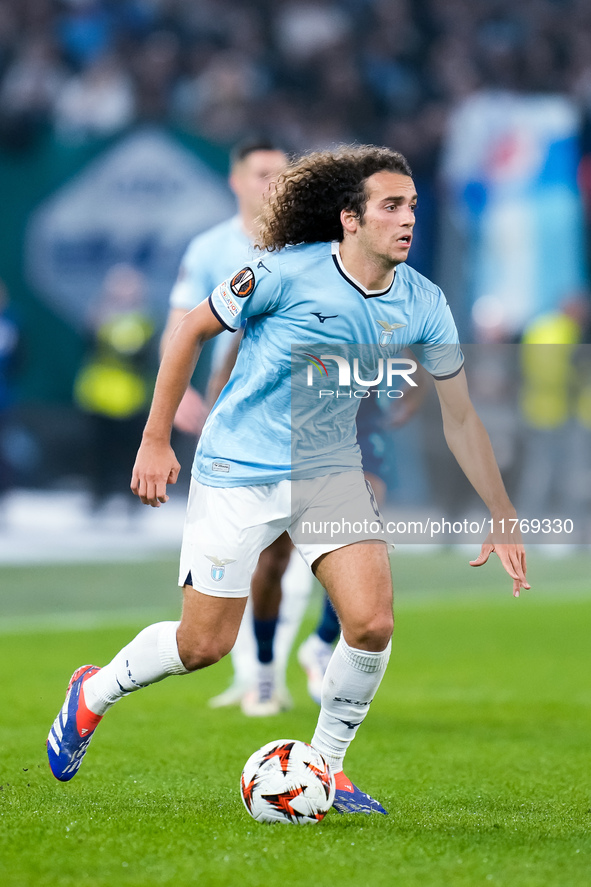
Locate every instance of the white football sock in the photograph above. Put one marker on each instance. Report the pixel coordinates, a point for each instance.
(350, 683)
(244, 652)
(149, 658)
(296, 586)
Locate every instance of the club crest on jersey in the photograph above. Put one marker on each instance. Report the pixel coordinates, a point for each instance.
(219, 566)
(242, 284)
(388, 331)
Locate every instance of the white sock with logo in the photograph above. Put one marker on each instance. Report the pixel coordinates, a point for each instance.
(150, 657)
(350, 683)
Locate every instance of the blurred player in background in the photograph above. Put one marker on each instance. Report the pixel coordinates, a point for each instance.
(282, 581)
(114, 382)
(555, 401)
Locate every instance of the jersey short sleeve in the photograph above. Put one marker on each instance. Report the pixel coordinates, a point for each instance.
(439, 349)
(252, 290)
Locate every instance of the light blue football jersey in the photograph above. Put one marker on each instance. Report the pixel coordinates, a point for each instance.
(297, 297)
(209, 258)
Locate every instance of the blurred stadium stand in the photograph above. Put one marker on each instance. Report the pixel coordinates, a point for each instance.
(116, 118)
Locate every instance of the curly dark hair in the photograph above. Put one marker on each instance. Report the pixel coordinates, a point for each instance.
(306, 205)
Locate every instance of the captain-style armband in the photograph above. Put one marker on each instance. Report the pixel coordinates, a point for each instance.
(250, 291)
(225, 308)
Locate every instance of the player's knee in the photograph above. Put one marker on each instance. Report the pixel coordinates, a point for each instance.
(378, 634)
(372, 633)
(201, 653)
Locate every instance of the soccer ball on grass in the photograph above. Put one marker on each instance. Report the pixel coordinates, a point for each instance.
(287, 781)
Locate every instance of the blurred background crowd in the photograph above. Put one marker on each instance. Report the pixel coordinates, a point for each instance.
(312, 73)
(116, 119)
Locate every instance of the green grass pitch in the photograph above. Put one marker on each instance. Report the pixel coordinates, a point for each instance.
(478, 741)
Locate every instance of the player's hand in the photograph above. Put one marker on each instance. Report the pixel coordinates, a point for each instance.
(511, 553)
(192, 413)
(155, 466)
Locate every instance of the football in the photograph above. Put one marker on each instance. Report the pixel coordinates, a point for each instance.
(287, 781)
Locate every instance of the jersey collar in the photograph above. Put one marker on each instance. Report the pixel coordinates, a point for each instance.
(367, 294)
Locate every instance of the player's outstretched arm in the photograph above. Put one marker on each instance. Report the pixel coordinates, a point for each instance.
(156, 464)
(467, 439)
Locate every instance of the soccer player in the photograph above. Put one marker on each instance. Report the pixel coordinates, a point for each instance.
(338, 230)
(282, 582)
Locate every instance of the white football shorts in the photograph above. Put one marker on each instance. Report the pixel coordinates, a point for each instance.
(226, 528)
